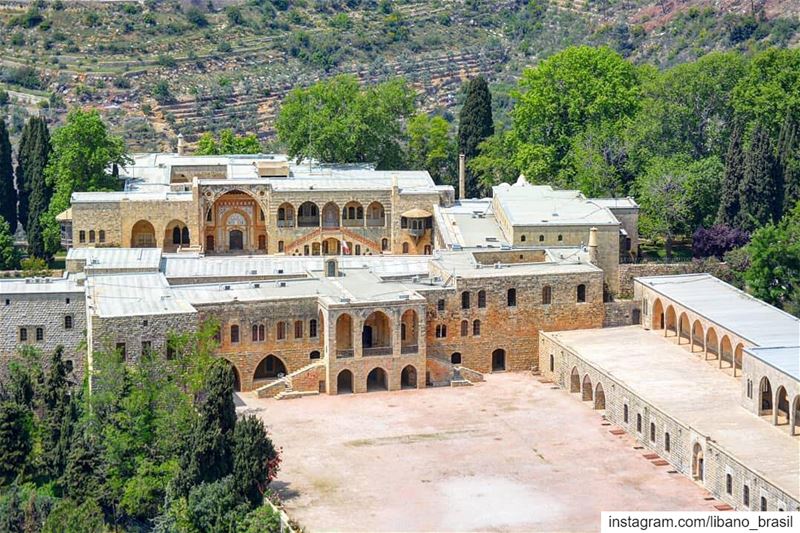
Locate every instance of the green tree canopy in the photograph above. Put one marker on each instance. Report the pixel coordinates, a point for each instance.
(83, 155)
(431, 147)
(227, 143)
(9, 254)
(34, 194)
(337, 121)
(564, 95)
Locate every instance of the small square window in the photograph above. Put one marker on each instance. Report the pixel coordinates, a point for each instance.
(121, 350)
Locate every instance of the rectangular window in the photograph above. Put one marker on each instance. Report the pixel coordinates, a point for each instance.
(440, 305)
(298, 329)
(121, 350)
(234, 333)
(82, 236)
(39, 334)
(638, 422)
(481, 299)
(147, 347)
(23, 334)
(68, 322)
(312, 328)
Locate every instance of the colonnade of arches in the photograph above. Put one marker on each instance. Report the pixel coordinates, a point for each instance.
(310, 215)
(775, 406)
(376, 333)
(583, 386)
(697, 338)
(176, 234)
(377, 380)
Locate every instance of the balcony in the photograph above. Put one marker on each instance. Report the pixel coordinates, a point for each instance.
(410, 349)
(377, 350)
(353, 222)
(416, 232)
(286, 223)
(307, 222)
(376, 222)
(344, 354)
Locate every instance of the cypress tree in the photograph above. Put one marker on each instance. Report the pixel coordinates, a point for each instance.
(15, 439)
(34, 194)
(758, 190)
(8, 194)
(209, 455)
(474, 123)
(734, 169)
(788, 154)
(58, 415)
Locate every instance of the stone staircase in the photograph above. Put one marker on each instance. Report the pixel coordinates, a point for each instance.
(372, 245)
(308, 237)
(283, 388)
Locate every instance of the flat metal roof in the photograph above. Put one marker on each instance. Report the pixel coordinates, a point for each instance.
(19, 286)
(783, 358)
(117, 258)
(134, 294)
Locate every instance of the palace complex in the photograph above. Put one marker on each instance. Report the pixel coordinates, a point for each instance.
(331, 279)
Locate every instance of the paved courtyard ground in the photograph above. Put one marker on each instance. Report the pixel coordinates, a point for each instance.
(510, 454)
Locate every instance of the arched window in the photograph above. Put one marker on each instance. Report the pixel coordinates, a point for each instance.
(552, 363)
(82, 236)
(746, 496)
(481, 299)
(652, 432)
(176, 235)
(314, 355)
(541, 238)
(262, 332)
(522, 238)
(465, 300)
(185, 236)
(298, 329)
(455, 358)
(464, 328)
(234, 333)
(280, 246)
(441, 331)
(511, 297)
(102, 235)
(384, 244)
(625, 413)
(547, 295)
(763, 504)
(254, 334)
(68, 322)
(476, 328)
(402, 332)
(560, 238)
(281, 331)
(91, 235)
(312, 328)
(639, 422)
(581, 293)
(405, 247)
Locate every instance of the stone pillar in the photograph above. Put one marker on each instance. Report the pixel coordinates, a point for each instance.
(593, 246)
(181, 145)
(358, 326)
(396, 318)
(462, 177)
(774, 406)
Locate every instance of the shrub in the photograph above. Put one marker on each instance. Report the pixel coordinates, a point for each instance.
(717, 240)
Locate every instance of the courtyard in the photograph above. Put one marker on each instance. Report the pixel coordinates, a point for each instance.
(509, 454)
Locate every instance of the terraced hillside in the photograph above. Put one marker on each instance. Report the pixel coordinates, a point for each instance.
(157, 68)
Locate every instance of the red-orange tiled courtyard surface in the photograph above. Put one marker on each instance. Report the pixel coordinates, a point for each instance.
(510, 454)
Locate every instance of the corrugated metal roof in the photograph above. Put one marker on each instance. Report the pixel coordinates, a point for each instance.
(750, 318)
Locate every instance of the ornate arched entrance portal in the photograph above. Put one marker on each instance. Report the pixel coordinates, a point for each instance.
(235, 223)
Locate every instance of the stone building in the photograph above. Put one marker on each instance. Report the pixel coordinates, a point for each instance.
(710, 382)
(257, 204)
(524, 215)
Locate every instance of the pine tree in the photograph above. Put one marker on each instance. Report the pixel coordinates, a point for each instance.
(758, 190)
(15, 439)
(734, 169)
(475, 124)
(8, 194)
(34, 194)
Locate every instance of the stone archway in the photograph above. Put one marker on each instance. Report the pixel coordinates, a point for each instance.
(658, 315)
(698, 467)
(408, 378)
(143, 235)
(330, 215)
(781, 407)
(670, 322)
(344, 336)
(498, 360)
(765, 397)
(376, 335)
(236, 220)
(698, 336)
(684, 330)
(587, 391)
(712, 344)
(599, 397)
(574, 380)
(377, 380)
(270, 367)
(344, 382)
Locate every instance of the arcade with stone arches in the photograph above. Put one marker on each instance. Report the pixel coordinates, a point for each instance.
(699, 335)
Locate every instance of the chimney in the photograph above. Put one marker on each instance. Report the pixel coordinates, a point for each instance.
(462, 177)
(593, 246)
(181, 146)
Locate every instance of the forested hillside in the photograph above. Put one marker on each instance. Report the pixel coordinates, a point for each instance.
(159, 68)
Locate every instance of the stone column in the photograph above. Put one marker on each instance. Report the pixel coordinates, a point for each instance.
(396, 318)
(358, 326)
